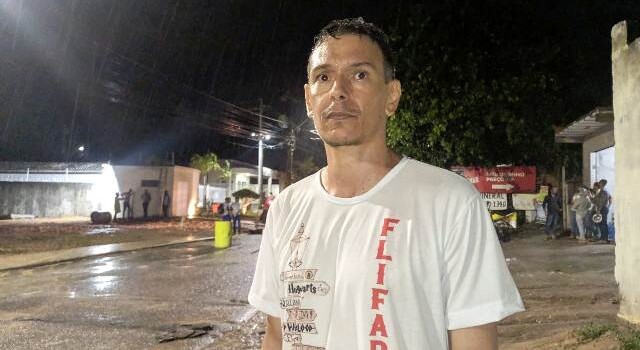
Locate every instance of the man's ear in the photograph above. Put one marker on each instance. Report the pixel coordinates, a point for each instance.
(394, 91)
(307, 100)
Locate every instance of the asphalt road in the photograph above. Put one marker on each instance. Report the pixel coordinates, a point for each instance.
(133, 300)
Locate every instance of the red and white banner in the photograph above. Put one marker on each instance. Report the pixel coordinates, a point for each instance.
(512, 179)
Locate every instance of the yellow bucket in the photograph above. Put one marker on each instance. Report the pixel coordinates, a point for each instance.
(222, 234)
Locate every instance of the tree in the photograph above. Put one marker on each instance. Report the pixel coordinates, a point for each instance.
(245, 193)
(477, 92)
(206, 163)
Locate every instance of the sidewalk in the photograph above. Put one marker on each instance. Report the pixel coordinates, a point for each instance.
(18, 261)
(146, 239)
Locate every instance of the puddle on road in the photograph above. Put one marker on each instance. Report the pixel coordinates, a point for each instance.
(103, 283)
(104, 266)
(100, 230)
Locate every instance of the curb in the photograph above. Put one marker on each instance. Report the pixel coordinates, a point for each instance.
(55, 257)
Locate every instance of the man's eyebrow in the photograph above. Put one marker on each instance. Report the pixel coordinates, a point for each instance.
(320, 67)
(363, 64)
(353, 65)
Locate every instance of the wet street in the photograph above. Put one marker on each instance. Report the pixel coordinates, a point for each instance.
(146, 299)
(192, 296)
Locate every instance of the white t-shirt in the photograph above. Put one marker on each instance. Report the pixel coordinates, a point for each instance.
(394, 268)
(235, 208)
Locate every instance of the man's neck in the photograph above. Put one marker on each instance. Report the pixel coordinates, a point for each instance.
(354, 170)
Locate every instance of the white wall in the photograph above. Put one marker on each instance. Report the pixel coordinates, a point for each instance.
(595, 143)
(626, 107)
(131, 177)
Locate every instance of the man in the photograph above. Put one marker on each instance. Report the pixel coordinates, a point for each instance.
(146, 198)
(235, 215)
(166, 202)
(581, 205)
(552, 205)
(128, 205)
(375, 251)
(602, 200)
(227, 211)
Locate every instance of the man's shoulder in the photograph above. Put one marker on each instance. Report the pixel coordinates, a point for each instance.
(294, 191)
(418, 175)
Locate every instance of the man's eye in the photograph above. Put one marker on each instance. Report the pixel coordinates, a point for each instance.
(322, 77)
(361, 75)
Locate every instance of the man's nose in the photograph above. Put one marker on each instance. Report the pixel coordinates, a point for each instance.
(340, 89)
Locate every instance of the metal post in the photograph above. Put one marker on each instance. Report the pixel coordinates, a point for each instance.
(260, 169)
(260, 137)
(566, 222)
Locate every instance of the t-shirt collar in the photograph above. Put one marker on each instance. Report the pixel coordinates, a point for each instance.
(317, 184)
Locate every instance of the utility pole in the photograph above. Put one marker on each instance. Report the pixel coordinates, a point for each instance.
(260, 144)
(292, 147)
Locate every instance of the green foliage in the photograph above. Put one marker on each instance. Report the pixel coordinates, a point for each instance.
(208, 162)
(205, 162)
(630, 341)
(245, 193)
(474, 98)
(593, 331)
(225, 171)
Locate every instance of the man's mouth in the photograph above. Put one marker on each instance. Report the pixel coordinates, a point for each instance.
(338, 114)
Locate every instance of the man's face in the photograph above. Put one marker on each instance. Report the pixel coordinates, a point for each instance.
(346, 94)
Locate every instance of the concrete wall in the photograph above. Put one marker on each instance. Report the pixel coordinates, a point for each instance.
(131, 177)
(50, 199)
(185, 191)
(593, 144)
(626, 106)
(45, 199)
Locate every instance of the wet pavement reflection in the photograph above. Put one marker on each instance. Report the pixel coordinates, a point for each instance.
(132, 300)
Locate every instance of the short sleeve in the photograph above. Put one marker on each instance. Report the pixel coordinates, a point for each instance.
(478, 287)
(264, 289)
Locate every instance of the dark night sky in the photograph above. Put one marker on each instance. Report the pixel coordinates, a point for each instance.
(133, 80)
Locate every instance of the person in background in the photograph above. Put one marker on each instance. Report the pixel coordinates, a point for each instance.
(235, 215)
(166, 202)
(128, 204)
(575, 231)
(146, 198)
(591, 227)
(116, 207)
(581, 206)
(602, 200)
(552, 205)
(227, 211)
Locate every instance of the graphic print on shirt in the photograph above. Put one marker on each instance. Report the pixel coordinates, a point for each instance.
(378, 335)
(299, 283)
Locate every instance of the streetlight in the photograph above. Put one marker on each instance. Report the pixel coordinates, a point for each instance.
(81, 148)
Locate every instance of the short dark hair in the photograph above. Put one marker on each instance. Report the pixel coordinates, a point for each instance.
(358, 26)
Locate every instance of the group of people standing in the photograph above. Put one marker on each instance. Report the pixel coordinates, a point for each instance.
(231, 212)
(127, 199)
(590, 210)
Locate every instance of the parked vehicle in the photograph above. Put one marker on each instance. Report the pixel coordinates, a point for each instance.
(505, 225)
